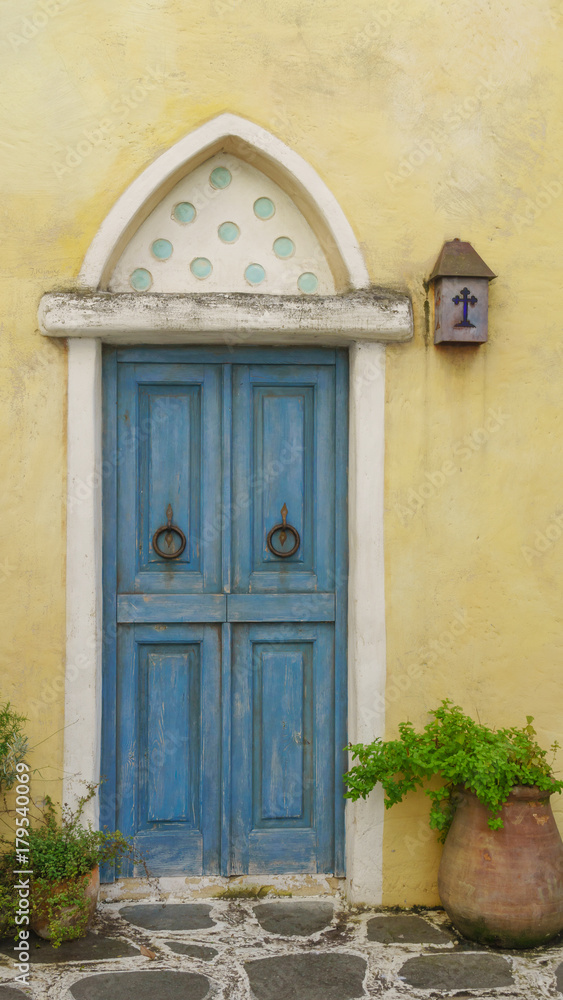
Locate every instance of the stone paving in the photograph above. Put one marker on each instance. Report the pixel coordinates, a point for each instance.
(277, 949)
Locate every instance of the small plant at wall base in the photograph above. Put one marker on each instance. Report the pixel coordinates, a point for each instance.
(488, 762)
(63, 856)
(500, 872)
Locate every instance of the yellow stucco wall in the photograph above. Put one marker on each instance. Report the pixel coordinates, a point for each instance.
(427, 121)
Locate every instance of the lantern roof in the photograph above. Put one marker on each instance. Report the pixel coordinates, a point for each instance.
(459, 260)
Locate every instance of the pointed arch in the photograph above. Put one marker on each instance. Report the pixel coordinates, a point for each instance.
(250, 142)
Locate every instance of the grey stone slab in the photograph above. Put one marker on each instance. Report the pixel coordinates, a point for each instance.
(169, 917)
(10, 993)
(292, 918)
(157, 985)
(404, 928)
(92, 948)
(336, 976)
(559, 977)
(193, 950)
(457, 972)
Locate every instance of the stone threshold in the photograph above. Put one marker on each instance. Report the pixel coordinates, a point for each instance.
(183, 889)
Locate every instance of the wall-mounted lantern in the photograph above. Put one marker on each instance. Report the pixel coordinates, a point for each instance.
(461, 295)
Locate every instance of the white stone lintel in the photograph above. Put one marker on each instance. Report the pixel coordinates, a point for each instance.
(378, 314)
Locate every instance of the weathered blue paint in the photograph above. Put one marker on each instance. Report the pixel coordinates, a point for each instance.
(170, 695)
(108, 774)
(280, 727)
(226, 634)
(169, 443)
(226, 733)
(230, 355)
(341, 595)
(225, 692)
(281, 607)
(171, 607)
(284, 426)
(168, 712)
(282, 755)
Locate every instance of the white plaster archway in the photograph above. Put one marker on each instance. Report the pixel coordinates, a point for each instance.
(359, 316)
(254, 144)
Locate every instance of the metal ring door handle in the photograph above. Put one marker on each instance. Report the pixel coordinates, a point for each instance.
(170, 529)
(283, 528)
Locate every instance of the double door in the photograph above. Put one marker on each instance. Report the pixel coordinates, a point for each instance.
(225, 607)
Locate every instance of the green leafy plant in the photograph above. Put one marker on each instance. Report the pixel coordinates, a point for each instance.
(459, 751)
(13, 745)
(62, 854)
(8, 895)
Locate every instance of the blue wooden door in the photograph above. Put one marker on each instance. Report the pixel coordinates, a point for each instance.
(225, 605)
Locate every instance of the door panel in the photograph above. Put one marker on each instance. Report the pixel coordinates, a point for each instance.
(170, 695)
(169, 473)
(169, 744)
(282, 747)
(282, 744)
(169, 424)
(284, 427)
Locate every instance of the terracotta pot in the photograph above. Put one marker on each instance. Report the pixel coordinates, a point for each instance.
(70, 916)
(504, 887)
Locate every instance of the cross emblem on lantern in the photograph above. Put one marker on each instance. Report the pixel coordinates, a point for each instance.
(468, 299)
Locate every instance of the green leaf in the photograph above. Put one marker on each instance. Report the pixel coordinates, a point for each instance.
(460, 751)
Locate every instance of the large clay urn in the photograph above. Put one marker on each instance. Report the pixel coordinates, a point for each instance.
(504, 887)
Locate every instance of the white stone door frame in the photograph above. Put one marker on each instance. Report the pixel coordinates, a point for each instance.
(359, 317)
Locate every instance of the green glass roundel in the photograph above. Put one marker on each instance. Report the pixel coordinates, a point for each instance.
(201, 267)
(184, 212)
(284, 247)
(162, 249)
(255, 274)
(228, 232)
(264, 208)
(140, 279)
(307, 282)
(220, 177)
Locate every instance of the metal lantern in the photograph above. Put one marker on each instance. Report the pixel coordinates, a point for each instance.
(461, 295)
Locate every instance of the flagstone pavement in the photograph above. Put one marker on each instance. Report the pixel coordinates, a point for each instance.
(276, 949)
